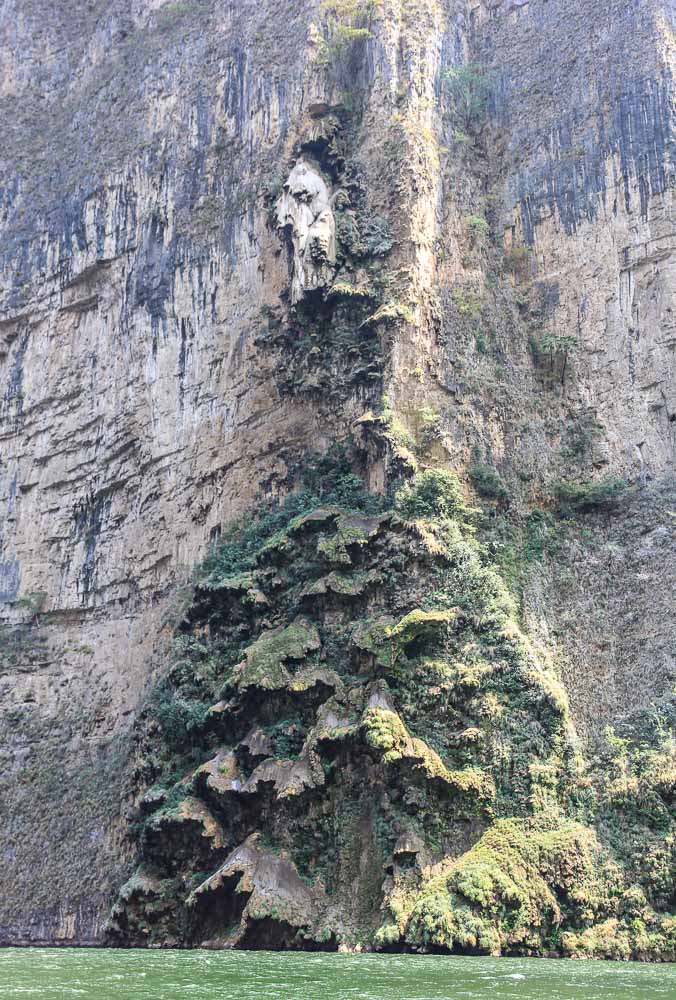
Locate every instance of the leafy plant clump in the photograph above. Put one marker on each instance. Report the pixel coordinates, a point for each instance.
(348, 24)
(433, 495)
(602, 494)
(478, 230)
(488, 482)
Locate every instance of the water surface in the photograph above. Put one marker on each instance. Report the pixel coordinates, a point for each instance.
(102, 974)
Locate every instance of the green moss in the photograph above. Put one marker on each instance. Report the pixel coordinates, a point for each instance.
(350, 585)
(318, 516)
(504, 894)
(235, 581)
(371, 636)
(265, 659)
(649, 939)
(468, 780)
(335, 548)
(384, 730)
(346, 289)
(536, 887)
(419, 623)
(418, 626)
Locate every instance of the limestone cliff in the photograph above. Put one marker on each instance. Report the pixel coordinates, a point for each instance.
(291, 265)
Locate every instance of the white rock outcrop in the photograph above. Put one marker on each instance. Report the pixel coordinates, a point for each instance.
(304, 209)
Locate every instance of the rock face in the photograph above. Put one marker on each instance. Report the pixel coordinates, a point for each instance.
(438, 233)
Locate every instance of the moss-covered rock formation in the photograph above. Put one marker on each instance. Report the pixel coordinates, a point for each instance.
(356, 744)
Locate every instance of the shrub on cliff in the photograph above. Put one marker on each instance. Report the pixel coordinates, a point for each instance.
(348, 23)
(487, 482)
(432, 495)
(582, 497)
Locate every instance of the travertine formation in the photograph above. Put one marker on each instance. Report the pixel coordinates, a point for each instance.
(304, 209)
(232, 236)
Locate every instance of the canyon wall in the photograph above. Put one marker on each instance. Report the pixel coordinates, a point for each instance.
(158, 380)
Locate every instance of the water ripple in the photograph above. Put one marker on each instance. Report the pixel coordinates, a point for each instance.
(101, 974)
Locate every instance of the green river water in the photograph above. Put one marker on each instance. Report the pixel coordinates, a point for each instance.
(93, 974)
